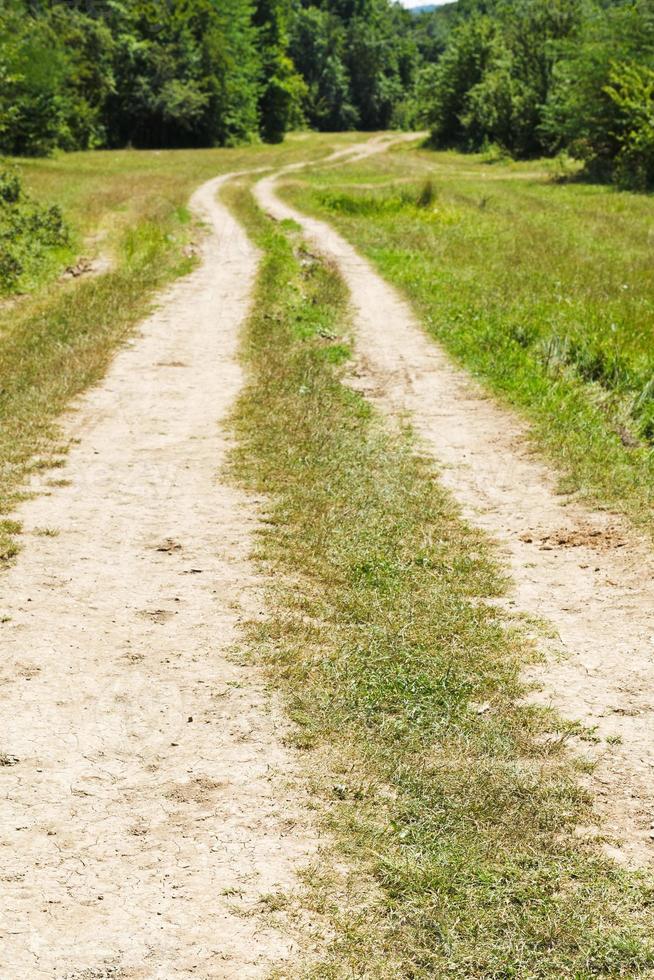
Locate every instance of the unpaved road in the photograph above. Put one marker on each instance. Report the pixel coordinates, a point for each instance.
(581, 571)
(148, 802)
(145, 796)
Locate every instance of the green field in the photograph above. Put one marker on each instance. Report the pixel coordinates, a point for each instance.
(542, 288)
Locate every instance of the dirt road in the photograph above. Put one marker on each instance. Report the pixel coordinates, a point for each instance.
(580, 571)
(148, 801)
(145, 800)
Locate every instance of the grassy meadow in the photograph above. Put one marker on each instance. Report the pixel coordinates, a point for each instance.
(453, 805)
(128, 211)
(542, 287)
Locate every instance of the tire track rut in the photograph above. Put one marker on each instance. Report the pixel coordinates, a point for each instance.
(147, 800)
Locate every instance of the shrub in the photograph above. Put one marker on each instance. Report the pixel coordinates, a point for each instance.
(631, 89)
(29, 233)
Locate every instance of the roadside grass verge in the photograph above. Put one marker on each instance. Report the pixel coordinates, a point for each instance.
(453, 804)
(104, 193)
(59, 338)
(541, 289)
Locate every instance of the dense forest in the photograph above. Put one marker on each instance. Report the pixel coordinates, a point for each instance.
(82, 74)
(528, 77)
(540, 77)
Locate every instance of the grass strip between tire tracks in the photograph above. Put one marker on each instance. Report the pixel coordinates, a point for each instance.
(454, 804)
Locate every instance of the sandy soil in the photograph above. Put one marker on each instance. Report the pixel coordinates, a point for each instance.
(147, 798)
(580, 570)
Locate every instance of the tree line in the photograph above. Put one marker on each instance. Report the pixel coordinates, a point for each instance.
(81, 74)
(528, 77)
(541, 77)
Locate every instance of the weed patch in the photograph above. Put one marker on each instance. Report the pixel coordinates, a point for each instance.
(32, 236)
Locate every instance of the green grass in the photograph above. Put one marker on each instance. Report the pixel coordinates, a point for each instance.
(60, 337)
(452, 803)
(540, 288)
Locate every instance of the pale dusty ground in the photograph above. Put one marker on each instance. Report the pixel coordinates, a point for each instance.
(590, 578)
(145, 787)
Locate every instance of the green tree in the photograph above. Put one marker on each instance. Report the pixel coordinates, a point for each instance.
(88, 52)
(180, 72)
(583, 114)
(317, 48)
(282, 88)
(380, 57)
(32, 83)
(186, 74)
(631, 90)
(496, 73)
(462, 67)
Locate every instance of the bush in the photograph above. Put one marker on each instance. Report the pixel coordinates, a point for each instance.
(29, 234)
(631, 89)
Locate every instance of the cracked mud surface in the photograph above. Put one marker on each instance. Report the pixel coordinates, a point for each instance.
(146, 801)
(581, 571)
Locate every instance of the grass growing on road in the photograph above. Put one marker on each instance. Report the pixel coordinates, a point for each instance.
(453, 804)
(59, 338)
(542, 289)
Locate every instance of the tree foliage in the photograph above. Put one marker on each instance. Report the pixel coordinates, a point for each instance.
(531, 77)
(79, 74)
(282, 89)
(599, 104)
(185, 74)
(75, 74)
(541, 76)
(359, 59)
